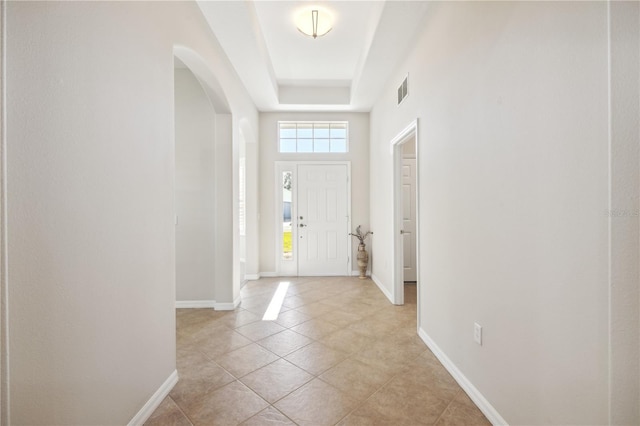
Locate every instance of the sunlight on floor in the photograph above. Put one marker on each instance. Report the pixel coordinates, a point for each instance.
(338, 353)
(273, 310)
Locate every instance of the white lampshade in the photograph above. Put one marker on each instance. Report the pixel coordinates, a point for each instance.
(314, 22)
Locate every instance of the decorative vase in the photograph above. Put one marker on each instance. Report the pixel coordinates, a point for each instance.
(363, 261)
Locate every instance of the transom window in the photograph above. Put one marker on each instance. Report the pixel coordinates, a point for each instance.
(317, 136)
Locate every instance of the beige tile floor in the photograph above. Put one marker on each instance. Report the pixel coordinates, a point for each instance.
(338, 353)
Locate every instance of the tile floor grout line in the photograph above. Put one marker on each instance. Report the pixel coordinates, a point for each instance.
(362, 403)
(318, 309)
(447, 407)
(182, 411)
(276, 408)
(259, 396)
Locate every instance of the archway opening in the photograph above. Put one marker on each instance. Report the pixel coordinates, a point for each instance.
(206, 185)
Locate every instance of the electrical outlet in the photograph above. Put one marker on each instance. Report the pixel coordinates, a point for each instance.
(477, 333)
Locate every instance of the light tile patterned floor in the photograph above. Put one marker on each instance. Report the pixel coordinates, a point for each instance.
(338, 353)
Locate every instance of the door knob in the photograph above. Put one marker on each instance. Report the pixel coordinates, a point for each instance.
(302, 225)
(402, 231)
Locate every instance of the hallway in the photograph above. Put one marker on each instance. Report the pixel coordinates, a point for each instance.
(338, 353)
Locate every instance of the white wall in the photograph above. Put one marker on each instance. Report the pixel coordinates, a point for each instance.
(623, 217)
(252, 179)
(512, 103)
(195, 191)
(4, 320)
(90, 191)
(358, 155)
(227, 241)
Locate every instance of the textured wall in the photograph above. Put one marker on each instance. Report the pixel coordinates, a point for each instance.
(624, 212)
(90, 191)
(513, 107)
(195, 190)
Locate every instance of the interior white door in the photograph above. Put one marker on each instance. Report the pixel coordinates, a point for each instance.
(323, 233)
(409, 218)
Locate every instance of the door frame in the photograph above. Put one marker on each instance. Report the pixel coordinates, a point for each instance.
(279, 167)
(398, 246)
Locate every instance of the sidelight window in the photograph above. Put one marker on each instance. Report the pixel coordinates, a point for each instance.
(287, 240)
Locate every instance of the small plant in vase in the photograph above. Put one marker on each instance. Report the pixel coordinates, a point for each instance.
(363, 256)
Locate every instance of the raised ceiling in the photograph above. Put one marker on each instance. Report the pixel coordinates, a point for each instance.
(286, 70)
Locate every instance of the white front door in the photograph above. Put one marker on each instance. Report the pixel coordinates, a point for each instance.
(322, 219)
(409, 218)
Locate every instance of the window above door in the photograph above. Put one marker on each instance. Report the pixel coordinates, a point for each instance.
(313, 136)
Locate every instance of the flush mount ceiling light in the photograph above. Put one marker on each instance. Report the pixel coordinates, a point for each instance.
(314, 23)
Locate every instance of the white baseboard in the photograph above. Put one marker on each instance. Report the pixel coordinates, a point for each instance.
(251, 277)
(487, 409)
(321, 274)
(181, 304)
(224, 307)
(268, 274)
(147, 410)
(199, 304)
(227, 306)
(381, 287)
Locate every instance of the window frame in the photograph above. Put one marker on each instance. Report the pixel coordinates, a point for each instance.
(313, 139)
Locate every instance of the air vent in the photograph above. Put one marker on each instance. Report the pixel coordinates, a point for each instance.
(403, 90)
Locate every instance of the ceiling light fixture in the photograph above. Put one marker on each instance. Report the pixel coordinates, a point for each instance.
(314, 24)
